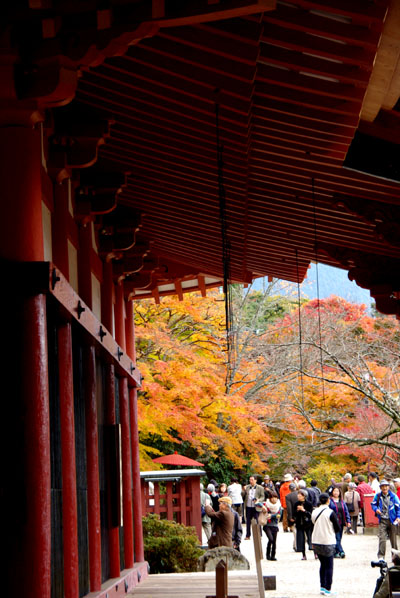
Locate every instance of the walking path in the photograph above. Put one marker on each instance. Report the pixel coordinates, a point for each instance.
(353, 576)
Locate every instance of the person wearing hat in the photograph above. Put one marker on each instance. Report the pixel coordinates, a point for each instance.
(386, 506)
(268, 485)
(254, 495)
(383, 590)
(283, 492)
(222, 523)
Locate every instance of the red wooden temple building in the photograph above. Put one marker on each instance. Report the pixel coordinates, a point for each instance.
(151, 147)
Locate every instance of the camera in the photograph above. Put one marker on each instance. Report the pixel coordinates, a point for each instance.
(381, 564)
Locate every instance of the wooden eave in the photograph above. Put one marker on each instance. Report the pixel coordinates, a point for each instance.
(290, 83)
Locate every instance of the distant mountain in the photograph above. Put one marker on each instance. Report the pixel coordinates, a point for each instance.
(331, 281)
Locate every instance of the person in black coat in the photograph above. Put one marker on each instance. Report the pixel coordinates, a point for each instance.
(237, 531)
(302, 515)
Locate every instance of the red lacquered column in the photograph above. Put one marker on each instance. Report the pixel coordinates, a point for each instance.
(35, 557)
(111, 420)
(69, 506)
(26, 492)
(93, 491)
(126, 472)
(137, 502)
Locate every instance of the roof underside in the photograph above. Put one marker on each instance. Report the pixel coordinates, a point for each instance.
(290, 85)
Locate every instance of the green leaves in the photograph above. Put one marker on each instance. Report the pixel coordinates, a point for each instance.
(170, 547)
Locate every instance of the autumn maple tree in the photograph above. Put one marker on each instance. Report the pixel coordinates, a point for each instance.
(334, 372)
(181, 354)
(310, 385)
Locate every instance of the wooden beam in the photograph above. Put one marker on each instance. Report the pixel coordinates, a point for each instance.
(384, 87)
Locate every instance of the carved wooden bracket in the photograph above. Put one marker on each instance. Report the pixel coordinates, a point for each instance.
(98, 191)
(384, 217)
(118, 230)
(77, 135)
(377, 273)
(51, 82)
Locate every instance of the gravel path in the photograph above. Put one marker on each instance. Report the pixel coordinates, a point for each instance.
(353, 577)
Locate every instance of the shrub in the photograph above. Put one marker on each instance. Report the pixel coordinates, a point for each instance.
(170, 547)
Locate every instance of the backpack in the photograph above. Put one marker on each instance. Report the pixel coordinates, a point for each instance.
(350, 505)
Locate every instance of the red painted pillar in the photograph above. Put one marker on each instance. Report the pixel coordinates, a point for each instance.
(113, 492)
(137, 502)
(120, 317)
(25, 435)
(59, 221)
(130, 331)
(69, 500)
(84, 263)
(21, 194)
(126, 472)
(35, 556)
(93, 491)
(107, 291)
(195, 514)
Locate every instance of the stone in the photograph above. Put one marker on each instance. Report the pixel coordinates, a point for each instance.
(210, 559)
(269, 582)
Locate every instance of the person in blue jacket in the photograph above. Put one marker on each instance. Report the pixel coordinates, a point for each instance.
(339, 507)
(386, 506)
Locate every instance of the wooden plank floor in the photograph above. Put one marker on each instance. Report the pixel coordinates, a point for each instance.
(196, 585)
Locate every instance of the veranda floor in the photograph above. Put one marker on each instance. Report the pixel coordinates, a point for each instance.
(196, 585)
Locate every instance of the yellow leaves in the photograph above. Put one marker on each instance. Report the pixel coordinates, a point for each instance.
(183, 396)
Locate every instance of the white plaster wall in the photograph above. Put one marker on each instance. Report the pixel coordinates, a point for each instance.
(73, 266)
(96, 297)
(47, 237)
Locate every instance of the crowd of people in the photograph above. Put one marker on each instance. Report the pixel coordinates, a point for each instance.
(317, 518)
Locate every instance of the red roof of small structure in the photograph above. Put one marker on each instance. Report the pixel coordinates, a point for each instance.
(176, 459)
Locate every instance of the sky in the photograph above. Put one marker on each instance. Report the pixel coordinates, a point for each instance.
(332, 281)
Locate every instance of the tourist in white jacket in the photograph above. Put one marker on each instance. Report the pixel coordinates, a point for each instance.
(324, 541)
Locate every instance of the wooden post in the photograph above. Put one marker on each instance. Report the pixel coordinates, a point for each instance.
(170, 513)
(126, 472)
(182, 501)
(93, 492)
(137, 496)
(255, 530)
(195, 512)
(221, 580)
(113, 475)
(69, 500)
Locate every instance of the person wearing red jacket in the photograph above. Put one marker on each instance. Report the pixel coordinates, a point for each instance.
(283, 492)
(396, 483)
(363, 488)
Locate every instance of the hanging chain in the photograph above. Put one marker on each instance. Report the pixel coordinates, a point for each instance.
(318, 299)
(230, 338)
(300, 330)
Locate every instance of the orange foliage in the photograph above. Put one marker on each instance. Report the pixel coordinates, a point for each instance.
(180, 350)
